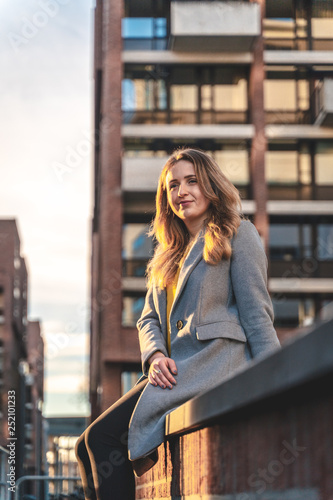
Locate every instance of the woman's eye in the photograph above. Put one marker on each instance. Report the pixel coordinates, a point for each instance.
(193, 180)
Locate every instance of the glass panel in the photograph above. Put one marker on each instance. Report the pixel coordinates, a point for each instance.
(161, 94)
(307, 312)
(143, 27)
(307, 234)
(304, 168)
(137, 27)
(324, 164)
(139, 94)
(132, 308)
(184, 97)
(284, 241)
(128, 380)
(136, 243)
(231, 97)
(286, 312)
(322, 28)
(279, 33)
(326, 309)
(280, 95)
(160, 27)
(307, 240)
(281, 167)
(303, 94)
(206, 97)
(325, 242)
(234, 165)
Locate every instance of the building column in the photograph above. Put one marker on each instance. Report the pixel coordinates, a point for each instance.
(110, 260)
(259, 142)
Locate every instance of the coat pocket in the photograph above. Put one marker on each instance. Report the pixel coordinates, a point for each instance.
(221, 329)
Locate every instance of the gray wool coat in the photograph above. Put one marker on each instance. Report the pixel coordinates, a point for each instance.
(226, 319)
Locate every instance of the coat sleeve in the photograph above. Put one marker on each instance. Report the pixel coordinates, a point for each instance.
(150, 334)
(249, 282)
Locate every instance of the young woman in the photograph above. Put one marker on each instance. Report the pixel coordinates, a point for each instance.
(207, 312)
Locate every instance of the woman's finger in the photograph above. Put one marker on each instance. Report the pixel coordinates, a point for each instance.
(164, 367)
(162, 380)
(160, 371)
(151, 379)
(159, 377)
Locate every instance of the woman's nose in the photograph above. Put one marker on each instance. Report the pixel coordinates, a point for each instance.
(181, 190)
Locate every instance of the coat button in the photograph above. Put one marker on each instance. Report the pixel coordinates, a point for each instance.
(180, 324)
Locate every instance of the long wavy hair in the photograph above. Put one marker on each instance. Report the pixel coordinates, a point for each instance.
(224, 217)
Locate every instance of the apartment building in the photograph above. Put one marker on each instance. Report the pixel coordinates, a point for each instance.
(249, 82)
(21, 359)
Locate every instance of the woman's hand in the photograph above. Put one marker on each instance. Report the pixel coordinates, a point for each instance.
(160, 371)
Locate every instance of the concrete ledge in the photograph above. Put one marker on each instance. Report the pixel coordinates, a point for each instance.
(231, 132)
(299, 57)
(298, 362)
(300, 207)
(300, 285)
(170, 57)
(286, 57)
(286, 131)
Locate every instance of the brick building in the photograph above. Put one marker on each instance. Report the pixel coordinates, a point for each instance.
(251, 83)
(21, 357)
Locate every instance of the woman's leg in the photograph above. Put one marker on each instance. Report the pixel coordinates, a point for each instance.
(85, 469)
(102, 452)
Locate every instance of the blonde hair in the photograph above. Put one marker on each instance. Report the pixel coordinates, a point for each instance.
(170, 231)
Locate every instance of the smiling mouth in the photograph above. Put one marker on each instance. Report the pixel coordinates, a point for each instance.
(184, 203)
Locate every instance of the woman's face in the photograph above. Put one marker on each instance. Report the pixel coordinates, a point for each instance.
(185, 196)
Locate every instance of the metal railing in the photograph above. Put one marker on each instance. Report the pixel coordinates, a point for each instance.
(23, 479)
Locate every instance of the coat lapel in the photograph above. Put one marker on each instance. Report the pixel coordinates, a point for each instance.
(162, 308)
(193, 258)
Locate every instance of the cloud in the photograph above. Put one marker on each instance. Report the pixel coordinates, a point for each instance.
(46, 101)
(64, 384)
(66, 404)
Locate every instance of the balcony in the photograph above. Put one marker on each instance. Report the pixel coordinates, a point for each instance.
(283, 8)
(213, 26)
(141, 174)
(323, 100)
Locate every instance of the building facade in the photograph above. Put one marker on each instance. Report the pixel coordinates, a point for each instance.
(249, 82)
(21, 359)
(62, 434)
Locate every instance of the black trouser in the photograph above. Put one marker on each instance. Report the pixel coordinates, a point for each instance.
(102, 452)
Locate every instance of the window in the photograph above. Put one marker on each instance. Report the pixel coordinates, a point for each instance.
(280, 95)
(230, 97)
(299, 25)
(143, 94)
(281, 167)
(137, 249)
(325, 242)
(132, 308)
(288, 242)
(323, 164)
(184, 97)
(234, 165)
(293, 312)
(128, 380)
(144, 33)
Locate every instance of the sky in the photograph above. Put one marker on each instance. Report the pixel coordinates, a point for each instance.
(46, 94)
